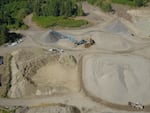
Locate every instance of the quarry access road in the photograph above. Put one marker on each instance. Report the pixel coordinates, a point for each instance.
(73, 99)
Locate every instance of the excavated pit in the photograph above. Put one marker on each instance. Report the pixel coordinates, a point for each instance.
(41, 73)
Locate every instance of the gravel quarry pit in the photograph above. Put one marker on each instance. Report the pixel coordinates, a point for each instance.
(117, 78)
(111, 74)
(42, 73)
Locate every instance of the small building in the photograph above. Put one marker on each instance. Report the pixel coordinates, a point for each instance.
(1, 60)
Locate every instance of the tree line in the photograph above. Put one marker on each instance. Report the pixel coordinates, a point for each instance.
(65, 8)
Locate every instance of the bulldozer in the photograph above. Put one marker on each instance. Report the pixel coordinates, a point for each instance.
(89, 43)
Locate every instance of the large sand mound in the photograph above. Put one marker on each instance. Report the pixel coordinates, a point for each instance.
(109, 41)
(117, 78)
(56, 38)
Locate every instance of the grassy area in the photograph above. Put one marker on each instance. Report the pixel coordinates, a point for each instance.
(6, 110)
(51, 21)
(138, 3)
(126, 2)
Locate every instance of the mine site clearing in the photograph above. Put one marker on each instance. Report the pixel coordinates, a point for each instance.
(98, 69)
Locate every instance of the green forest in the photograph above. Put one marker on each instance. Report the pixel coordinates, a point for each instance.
(12, 13)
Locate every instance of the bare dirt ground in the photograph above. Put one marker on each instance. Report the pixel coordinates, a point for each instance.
(30, 23)
(43, 78)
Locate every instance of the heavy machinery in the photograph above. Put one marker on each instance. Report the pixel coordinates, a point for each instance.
(87, 43)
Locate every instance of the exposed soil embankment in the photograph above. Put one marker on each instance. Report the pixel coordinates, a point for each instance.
(5, 75)
(24, 65)
(42, 73)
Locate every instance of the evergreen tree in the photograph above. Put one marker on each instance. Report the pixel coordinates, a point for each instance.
(3, 34)
(68, 8)
(62, 8)
(37, 7)
(80, 11)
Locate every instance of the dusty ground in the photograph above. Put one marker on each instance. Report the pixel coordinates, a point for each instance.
(117, 78)
(43, 78)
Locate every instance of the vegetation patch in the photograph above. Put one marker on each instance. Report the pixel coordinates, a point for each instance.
(7, 110)
(103, 5)
(138, 3)
(4, 111)
(51, 21)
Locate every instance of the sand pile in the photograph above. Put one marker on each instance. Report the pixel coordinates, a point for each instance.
(57, 38)
(52, 37)
(117, 78)
(110, 41)
(117, 27)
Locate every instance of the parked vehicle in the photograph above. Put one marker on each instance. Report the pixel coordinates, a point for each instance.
(136, 105)
(56, 50)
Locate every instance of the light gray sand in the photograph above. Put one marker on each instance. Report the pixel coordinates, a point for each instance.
(117, 78)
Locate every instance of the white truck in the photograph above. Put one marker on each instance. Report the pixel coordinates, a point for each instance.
(56, 50)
